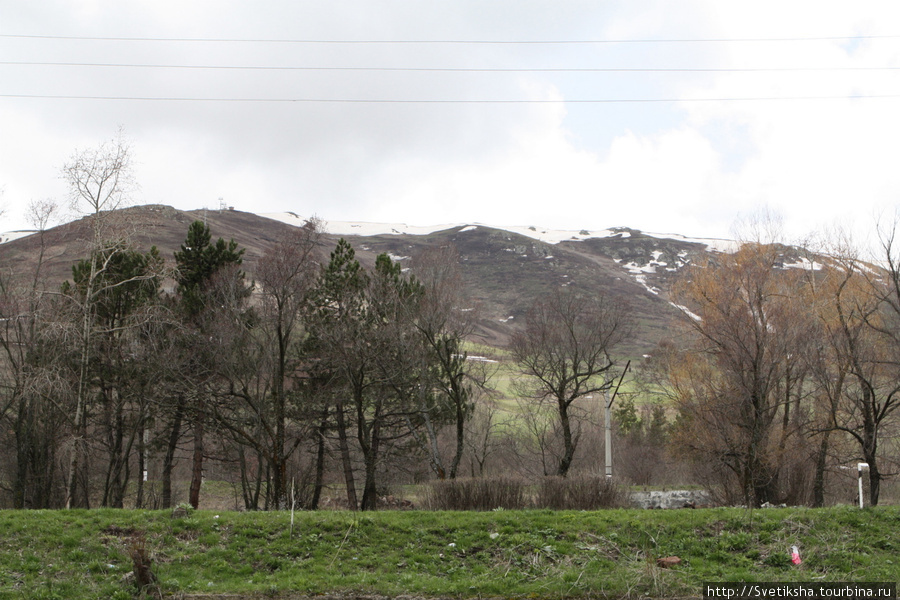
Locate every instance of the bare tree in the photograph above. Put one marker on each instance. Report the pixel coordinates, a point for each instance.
(865, 305)
(537, 435)
(268, 356)
(565, 352)
(482, 434)
(444, 321)
(744, 369)
(126, 292)
(31, 386)
(287, 275)
(100, 181)
(826, 293)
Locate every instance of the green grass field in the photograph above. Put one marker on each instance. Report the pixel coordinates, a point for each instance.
(509, 554)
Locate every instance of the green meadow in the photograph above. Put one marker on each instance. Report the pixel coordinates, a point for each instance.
(510, 554)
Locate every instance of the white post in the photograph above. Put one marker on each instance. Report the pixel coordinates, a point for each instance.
(859, 470)
(146, 451)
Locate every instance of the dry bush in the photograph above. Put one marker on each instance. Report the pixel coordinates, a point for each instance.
(144, 577)
(588, 492)
(476, 494)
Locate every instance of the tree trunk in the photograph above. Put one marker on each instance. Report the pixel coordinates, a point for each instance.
(279, 477)
(169, 459)
(143, 459)
(370, 455)
(245, 481)
(268, 478)
(344, 446)
(819, 481)
(197, 461)
(80, 422)
(24, 431)
(874, 482)
(113, 488)
(139, 496)
(260, 475)
(759, 482)
(870, 446)
(429, 445)
(279, 460)
(250, 486)
(460, 439)
(568, 443)
(870, 455)
(45, 480)
(320, 462)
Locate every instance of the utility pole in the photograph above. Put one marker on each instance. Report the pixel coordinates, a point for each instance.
(608, 433)
(607, 413)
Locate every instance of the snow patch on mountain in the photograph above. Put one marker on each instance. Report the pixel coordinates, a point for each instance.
(642, 279)
(361, 228)
(805, 264)
(713, 244)
(687, 311)
(541, 234)
(14, 235)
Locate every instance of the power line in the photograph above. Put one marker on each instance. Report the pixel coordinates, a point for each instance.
(456, 69)
(450, 41)
(448, 101)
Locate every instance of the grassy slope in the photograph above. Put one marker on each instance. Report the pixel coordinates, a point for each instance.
(84, 554)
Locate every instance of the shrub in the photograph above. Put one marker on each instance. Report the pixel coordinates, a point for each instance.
(579, 493)
(476, 494)
(144, 577)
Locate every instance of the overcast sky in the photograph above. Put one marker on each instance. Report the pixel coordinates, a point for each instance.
(683, 116)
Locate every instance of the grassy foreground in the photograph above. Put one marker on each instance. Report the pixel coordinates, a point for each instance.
(534, 554)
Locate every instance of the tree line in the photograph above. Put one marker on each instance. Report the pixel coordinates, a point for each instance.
(110, 371)
(789, 373)
(317, 373)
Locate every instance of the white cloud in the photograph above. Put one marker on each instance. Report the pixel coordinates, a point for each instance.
(689, 167)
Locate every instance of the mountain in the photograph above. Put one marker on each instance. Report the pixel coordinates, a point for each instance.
(504, 269)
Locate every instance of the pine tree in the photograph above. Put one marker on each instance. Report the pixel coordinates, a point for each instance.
(198, 261)
(338, 312)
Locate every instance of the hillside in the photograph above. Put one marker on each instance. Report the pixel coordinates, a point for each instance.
(503, 269)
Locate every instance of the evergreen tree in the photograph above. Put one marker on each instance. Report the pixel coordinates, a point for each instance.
(339, 294)
(129, 278)
(336, 330)
(198, 260)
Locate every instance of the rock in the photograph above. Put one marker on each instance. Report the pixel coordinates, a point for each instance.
(668, 562)
(670, 499)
